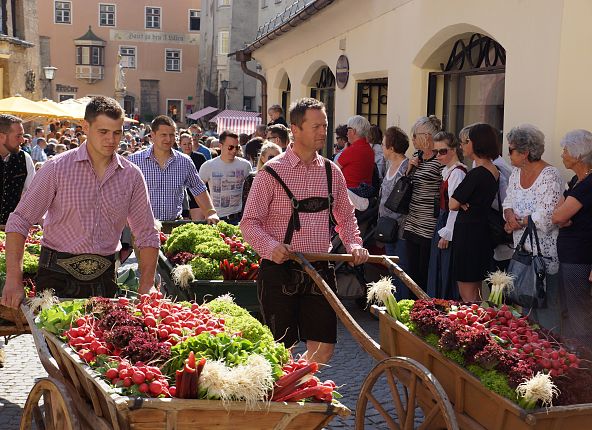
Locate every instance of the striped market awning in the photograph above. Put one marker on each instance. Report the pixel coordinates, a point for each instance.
(237, 121)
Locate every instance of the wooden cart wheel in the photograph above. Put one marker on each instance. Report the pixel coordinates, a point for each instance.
(411, 386)
(56, 412)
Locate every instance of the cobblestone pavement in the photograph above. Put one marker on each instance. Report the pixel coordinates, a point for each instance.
(349, 366)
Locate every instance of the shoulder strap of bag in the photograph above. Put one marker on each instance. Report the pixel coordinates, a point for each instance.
(533, 229)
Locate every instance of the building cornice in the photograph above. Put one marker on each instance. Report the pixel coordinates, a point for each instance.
(292, 17)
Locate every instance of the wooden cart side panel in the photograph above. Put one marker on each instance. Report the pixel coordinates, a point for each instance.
(110, 410)
(90, 389)
(477, 407)
(190, 419)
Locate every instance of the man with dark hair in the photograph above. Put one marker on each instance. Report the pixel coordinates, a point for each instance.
(196, 135)
(16, 167)
(225, 175)
(278, 134)
(87, 196)
(292, 205)
(168, 173)
(341, 141)
(276, 116)
(252, 149)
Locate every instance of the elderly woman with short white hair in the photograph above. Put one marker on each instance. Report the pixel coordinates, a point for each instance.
(574, 244)
(357, 162)
(534, 189)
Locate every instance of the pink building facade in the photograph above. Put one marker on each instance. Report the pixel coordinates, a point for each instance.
(143, 53)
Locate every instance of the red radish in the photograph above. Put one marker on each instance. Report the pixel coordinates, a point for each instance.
(111, 373)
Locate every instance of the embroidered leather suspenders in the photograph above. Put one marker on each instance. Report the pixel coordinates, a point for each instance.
(308, 205)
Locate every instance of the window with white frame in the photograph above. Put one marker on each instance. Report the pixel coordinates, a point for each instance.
(63, 12)
(153, 15)
(223, 40)
(173, 60)
(128, 56)
(194, 19)
(107, 15)
(223, 3)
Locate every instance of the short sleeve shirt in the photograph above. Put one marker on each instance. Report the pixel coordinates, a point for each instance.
(574, 243)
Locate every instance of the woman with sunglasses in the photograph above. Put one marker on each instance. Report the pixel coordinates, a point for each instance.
(441, 283)
(534, 190)
(427, 176)
(269, 150)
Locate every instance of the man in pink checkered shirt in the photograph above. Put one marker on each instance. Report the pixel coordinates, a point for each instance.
(292, 204)
(87, 196)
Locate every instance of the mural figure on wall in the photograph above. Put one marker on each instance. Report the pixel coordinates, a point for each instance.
(119, 74)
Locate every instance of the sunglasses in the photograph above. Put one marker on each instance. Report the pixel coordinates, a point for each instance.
(232, 147)
(442, 151)
(270, 156)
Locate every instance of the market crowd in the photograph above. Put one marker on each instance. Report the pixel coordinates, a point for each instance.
(287, 198)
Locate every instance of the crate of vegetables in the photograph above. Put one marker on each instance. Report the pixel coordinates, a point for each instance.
(159, 364)
(499, 369)
(200, 261)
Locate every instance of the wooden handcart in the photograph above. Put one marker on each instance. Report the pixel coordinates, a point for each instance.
(12, 323)
(72, 397)
(419, 376)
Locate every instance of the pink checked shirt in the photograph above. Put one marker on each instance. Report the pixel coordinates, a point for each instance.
(85, 214)
(268, 208)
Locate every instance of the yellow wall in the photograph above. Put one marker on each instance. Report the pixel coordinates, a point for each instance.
(546, 69)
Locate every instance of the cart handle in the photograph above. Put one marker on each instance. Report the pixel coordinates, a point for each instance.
(390, 262)
(369, 344)
(325, 256)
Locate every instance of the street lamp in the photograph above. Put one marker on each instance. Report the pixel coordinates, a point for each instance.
(49, 72)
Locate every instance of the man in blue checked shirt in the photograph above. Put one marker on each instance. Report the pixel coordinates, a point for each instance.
(168, 173)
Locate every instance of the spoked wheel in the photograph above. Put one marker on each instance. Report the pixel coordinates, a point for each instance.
(411, 386)
(49, 407)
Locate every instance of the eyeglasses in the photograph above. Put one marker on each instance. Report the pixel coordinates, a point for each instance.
(442, 151)
(511, 150)
(232, 147)
(418, 134)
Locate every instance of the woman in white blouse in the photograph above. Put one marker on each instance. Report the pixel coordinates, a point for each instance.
(441, 283)
(534, 189)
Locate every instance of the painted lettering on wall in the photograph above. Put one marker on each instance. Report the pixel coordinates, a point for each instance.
(153, 37)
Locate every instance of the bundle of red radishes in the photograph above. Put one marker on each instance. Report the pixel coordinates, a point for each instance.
(516, 334)
(139, 378)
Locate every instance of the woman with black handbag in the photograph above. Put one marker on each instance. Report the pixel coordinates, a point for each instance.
(534, 190)
(574, 244)
(394, 146)
(441, 282)
(421, 221)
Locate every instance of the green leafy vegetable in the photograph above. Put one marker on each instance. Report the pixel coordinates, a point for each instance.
(58, 319)
(205, 268)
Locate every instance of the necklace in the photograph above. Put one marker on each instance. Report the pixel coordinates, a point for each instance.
(583, 177)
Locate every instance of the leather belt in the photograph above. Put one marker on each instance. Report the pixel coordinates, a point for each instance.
(84, 267)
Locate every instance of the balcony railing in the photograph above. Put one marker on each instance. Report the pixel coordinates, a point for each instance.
(91, 74)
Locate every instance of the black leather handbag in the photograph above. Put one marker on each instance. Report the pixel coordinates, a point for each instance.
(399, 199)
(387, 230)
(529, 271)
